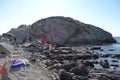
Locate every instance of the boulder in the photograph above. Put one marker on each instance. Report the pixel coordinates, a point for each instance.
(115, 56)
(68, 66)
(80, 70)
(21, 32)
(64, 75)
(89, 64)
(64, 30)
(3, 51)
(105, 64)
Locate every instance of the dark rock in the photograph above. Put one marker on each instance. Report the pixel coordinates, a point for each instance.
(88, 64)
(65, 48)
(76, 77)
(80, 70)
(55, 66)
(111, 49)
(116, 56)
(115, 65)
(114, 60)
(103, 78)
(105, 64)
(96, 62)
(81, 56)
(105, 55)
(64, 75)
(95, 48)
(94, 56)
(4, 51)
(10, 36)
(68, 66)
(65, 52)
(109, 77)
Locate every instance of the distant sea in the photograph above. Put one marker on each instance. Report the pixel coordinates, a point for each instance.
(117, 39)
(116, 45)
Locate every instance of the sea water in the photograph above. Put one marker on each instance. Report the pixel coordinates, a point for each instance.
(107, 50)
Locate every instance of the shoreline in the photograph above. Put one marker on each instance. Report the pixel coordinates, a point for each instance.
(69, 58)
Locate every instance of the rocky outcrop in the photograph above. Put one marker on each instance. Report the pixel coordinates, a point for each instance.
(64, 30)
(3, 51)
(20, 32)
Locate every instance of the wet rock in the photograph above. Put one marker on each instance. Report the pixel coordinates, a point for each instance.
(103, 78)
(94, 56)
(105, 64)
(48, 63)
(88, 64)
(115, 65)
(80, 70)
(101, 49)
(95, 62)
(68, 57)
(55, 66)
(105, 55)
(108, 76)
(76, 77)
(95, 48)
(115, 56)
(115, 61)
(64, 75)
(68, 66)
(81, 56)
(111, 49)
(65, 48)
(65, 52)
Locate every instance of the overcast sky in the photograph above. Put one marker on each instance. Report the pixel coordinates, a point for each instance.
(101, 13)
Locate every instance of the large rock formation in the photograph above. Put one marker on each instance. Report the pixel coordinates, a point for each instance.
(64, 30)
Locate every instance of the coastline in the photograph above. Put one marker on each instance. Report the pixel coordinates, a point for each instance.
(87, 56)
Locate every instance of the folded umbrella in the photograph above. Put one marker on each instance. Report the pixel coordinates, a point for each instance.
(2, 68)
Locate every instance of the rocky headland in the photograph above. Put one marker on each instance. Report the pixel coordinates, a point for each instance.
(64, 30)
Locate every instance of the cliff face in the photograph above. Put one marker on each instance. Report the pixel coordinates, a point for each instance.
(64, 30)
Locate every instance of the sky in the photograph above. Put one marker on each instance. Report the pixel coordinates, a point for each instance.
(101, 13)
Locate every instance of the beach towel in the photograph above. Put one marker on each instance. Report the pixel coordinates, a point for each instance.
(17, 62)
(26, 62)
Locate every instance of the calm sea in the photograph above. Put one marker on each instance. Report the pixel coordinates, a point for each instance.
(117, 39)
(116, 50)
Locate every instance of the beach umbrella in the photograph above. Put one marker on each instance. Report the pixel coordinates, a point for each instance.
(2, 68)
